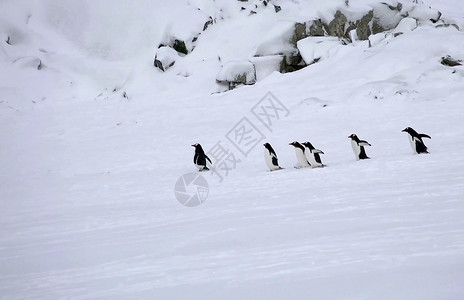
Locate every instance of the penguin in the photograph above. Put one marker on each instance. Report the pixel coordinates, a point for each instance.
(313, 155)
(300, 156)
(358, 147)
(199, 159)
(415, 139)
(271, 157)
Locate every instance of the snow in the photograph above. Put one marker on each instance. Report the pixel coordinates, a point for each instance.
(87, 203)
(167, 56)
(312, 48)
(277, 41)
(406, 25)
(266, 65)
(232, 71)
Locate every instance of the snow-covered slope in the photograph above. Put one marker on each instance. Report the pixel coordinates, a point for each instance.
(93, 143)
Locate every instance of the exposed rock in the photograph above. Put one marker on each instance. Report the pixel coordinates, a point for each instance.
(180, 47)
(299, 33)
(208, 23)
(450, 62)
(315, 28)
(277, 8)
(337, 26)
(292, 62)
(363, 29)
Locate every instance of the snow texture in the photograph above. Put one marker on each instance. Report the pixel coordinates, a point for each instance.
(93, 142)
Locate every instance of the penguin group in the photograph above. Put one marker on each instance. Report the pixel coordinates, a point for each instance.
(309, 157)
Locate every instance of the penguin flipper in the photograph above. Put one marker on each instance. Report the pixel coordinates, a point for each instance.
(275, 162)
(208, 159)
(318, 151)
(364, 143)
(425, 136)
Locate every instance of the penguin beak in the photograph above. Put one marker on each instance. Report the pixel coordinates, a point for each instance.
(193, 145)
(404, 130)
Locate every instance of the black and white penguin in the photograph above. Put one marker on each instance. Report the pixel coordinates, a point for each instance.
(270, 157)
(415, 139)
(358, 147)
(300, 156)
(199, 159)
(313, 155)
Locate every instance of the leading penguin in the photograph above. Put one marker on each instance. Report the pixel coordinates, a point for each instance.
(299, 150)
(358, 147)
(415, 139)
(271, 157)
(199, 159)
(313, 155)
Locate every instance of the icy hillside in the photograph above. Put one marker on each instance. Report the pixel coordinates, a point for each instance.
(94, 138)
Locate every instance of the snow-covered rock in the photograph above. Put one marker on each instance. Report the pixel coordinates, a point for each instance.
(165, 58)
(377, 38)
(405, 25)
(235, 73)
(266, 65)
(386, 16)
(422, 12)
(182, 33)
(313, 49)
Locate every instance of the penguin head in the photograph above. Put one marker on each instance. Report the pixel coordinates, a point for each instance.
(353, 136)
(408, 130)
(267, 146)
(297, 145)
(197, 146)
(309, 145)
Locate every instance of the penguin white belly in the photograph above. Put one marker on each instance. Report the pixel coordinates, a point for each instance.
(314, 163)
(356, 149)
(310, 157)
(412, 141)
(268, 160)
(300, 156)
